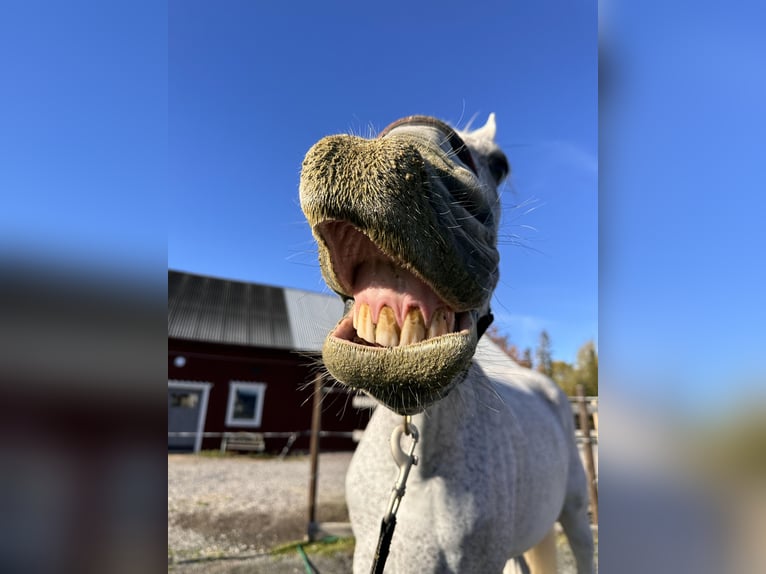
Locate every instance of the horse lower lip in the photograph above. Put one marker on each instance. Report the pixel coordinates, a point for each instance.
(405, 377)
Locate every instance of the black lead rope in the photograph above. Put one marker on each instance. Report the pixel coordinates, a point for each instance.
(405, 462)
(384, 545)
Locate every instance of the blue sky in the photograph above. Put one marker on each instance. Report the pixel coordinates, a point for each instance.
(253, 85)
(142, 135)
(83, 134)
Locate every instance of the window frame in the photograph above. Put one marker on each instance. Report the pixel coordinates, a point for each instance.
(260, 389)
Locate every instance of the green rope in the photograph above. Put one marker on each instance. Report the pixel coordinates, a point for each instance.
(307, 564)
(310, 568)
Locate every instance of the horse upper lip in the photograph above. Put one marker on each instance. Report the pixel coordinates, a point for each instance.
(392, 305)
(365, 273)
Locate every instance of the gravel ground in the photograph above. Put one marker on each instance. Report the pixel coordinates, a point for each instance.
(225, 514)
(227, 507)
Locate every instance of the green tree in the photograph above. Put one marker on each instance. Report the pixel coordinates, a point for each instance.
(543, 354)
(565, 376)
(585, 371)
(587, 367)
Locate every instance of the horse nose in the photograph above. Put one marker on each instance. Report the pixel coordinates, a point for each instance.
(352, 161)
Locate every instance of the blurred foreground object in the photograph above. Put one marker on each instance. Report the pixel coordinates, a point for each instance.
(680, 493)
(81, 422)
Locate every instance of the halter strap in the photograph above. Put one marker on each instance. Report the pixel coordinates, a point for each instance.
(483, 323)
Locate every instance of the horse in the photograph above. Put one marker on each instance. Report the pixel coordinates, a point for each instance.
(406, 225)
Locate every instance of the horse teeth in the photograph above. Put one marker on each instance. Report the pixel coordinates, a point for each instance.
(442, 322)
(387, 331)
(364, 325)
(413, 327)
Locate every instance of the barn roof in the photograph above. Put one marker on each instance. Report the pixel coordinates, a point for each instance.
(217, 310)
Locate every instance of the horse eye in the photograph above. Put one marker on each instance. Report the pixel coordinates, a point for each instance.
(498, 165)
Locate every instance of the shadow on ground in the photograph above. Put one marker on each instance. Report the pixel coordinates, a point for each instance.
(239, 542)
(253, 530)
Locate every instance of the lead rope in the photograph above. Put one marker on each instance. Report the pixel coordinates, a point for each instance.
(405, 461)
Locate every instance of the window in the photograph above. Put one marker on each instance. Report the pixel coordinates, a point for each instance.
(184, 400)
(245, 404)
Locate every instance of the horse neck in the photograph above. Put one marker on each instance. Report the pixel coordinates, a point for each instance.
(451, 424)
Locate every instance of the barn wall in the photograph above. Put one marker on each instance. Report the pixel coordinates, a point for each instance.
(288, 399)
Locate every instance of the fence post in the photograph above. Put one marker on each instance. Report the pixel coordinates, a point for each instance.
(590, 467)
(316, 427)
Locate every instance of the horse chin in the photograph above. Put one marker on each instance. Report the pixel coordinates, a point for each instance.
(407, 378)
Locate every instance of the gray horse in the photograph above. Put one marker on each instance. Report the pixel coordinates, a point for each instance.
(406, 226)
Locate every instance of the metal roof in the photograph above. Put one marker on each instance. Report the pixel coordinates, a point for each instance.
(234, 312)
(311, 316)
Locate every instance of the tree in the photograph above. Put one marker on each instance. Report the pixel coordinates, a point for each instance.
(585, 371)
(587, 367)
(565, 376)
(500, 340)
(509, 348)
(526, 360)
(543, 354)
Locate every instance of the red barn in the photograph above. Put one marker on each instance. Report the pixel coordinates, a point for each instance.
(243, 357)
